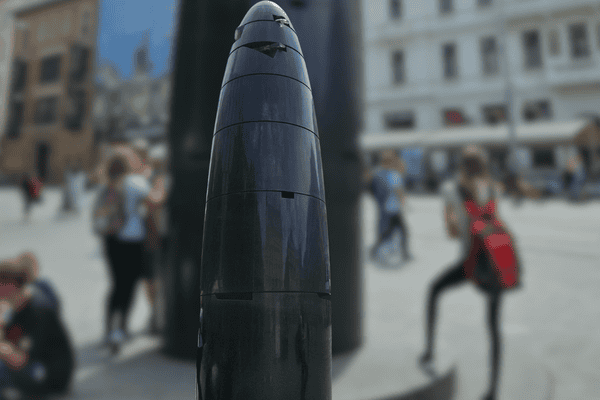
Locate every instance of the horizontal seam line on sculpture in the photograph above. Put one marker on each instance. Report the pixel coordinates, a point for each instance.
(270, 20)
(266, 190)
(267, 73)
(276, 122)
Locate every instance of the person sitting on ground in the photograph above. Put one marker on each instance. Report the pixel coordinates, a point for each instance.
(36, 356)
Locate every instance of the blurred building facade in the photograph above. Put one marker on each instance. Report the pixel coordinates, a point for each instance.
(47, 104)
(125, 110)
(437, 78)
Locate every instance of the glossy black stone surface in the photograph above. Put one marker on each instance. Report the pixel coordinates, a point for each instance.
(275, 98)
(266, 31)
(265, 11)
(266, 156)
(248, 61)
(272, 346)
(262, 241)
(265, 277)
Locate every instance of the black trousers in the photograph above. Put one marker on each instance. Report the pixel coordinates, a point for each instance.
(396, 222)
(126, 263)
(454, 277)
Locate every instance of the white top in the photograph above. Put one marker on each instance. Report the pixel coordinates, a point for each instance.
(451, 196)
(135, 188)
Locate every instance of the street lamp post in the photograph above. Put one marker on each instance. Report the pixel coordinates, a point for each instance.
(512, 134)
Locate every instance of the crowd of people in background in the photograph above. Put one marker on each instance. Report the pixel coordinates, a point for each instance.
(36, 354)
(135, 247)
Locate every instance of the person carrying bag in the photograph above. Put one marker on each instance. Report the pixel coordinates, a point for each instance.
(488, 256)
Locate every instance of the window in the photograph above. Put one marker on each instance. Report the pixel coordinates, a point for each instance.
(79, 63)
(489, 55)
(531, 44)
(76, 107)
(494, 114)
(50, 70)
(395, 9)
(16, 120)
(445, 6)
(579, 41)
(45, 110)
(453, 117)
(400, 120)
(19, 76)
(449, 55)
(537, 110)
(543, 158)
(398, 67)
(553, 42)
(484, 3)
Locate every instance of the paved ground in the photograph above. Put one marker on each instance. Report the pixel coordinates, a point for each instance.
(551, 325)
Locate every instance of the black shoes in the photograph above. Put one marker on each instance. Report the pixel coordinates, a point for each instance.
(426, 364)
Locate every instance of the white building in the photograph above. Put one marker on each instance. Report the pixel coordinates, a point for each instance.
(436, 76)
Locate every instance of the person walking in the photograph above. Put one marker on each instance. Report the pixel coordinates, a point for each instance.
(67, 204)
(78, 185)
(578, 178)
(31, 188)
(125, 249)
(388, 188)
(472, 198)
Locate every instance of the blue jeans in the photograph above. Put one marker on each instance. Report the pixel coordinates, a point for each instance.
(577, 185)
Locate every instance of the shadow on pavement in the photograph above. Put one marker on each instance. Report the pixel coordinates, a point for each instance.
(441, 388)
(148, 375)
(151, 375)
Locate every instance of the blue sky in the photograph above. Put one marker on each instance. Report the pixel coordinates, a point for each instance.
(122, 25)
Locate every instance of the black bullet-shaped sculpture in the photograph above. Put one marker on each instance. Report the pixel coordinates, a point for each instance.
(265, 319)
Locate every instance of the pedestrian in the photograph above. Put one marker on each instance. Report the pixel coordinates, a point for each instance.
(578, 178)
(388, 188)
(157, 228)
(469, 201)
(31, 187)
(36, 355)
(67, 205)
(141, 148)
(76, 189)
(125, 247)
(68, 201)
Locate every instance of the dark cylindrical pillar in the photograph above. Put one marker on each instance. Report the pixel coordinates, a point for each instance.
(202, 47)
(265, 330)
(330, 34)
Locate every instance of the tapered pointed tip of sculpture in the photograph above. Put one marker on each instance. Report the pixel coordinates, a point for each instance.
(266, 11)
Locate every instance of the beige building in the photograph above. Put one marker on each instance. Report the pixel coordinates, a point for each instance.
(48, 120)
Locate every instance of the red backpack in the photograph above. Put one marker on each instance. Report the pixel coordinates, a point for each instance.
(493, 263)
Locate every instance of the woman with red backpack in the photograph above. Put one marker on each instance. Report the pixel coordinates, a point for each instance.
(488, 257)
